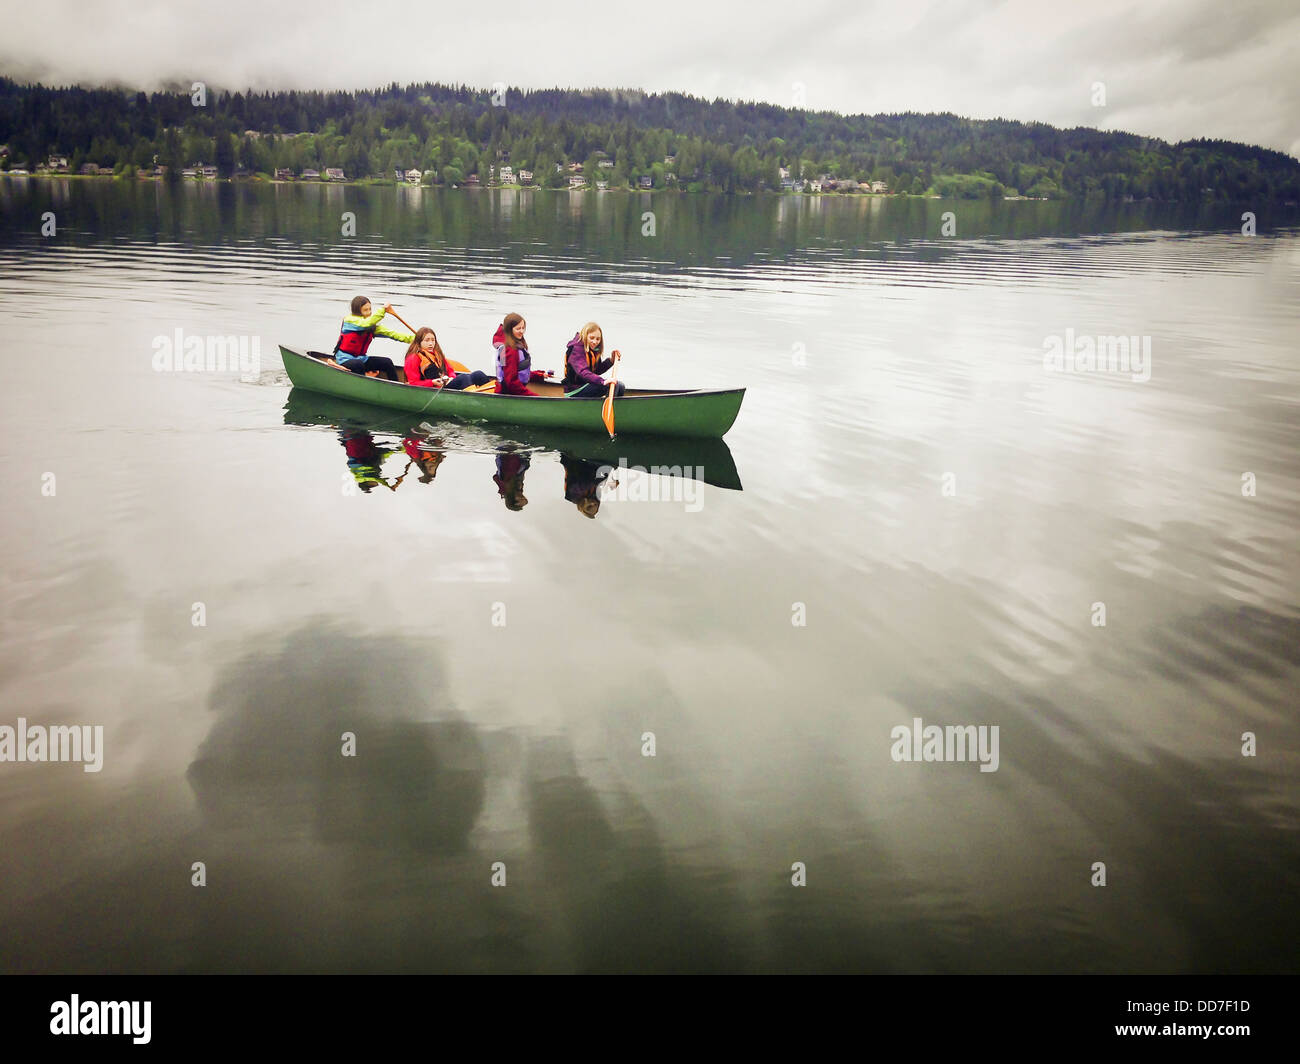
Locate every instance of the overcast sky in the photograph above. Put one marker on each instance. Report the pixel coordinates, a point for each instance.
(1170, 68)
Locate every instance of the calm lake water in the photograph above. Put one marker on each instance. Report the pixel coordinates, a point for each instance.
(913, 518)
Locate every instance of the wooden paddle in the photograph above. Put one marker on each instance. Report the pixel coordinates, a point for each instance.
(399, 318)
(607, 410)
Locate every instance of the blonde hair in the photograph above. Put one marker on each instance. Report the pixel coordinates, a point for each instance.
(586, 332)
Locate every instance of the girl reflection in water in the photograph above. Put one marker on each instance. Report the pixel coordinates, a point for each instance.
(421, 452)
(509, 478)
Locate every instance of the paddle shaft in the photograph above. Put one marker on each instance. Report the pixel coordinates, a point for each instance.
(403, 321)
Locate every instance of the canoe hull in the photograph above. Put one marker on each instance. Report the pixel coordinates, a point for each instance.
(696, 414)
(702, 458)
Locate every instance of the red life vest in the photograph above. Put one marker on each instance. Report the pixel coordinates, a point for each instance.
(353, 341)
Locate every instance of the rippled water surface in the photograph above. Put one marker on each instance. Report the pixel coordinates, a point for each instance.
(912, 518)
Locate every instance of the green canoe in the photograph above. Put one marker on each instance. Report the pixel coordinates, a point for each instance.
(704, 459)
(639, 412)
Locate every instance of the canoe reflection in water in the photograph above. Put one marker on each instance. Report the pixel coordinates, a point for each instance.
(594, 468)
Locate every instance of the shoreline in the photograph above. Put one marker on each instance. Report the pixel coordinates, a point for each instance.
(373, 183)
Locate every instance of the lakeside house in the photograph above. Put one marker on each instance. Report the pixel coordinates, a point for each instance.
(507, 175)
(58, 163)
(879, 187)
(602, 185)
(209, 172)
(525, 177)
(89, 169)
(333, 173)
(311, 175)
(645, 181)
(815, 185)
(414, 176)
(472, 181)
(283, 173)
(783, 173)
(577, 181)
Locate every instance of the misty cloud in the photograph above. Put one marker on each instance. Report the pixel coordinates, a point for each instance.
(1173, 69)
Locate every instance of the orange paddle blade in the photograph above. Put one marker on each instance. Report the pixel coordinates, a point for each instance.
(607, 410)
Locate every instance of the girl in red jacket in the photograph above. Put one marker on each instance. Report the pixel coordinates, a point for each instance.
(427, 366)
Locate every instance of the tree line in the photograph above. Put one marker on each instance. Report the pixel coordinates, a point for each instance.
(452, 133)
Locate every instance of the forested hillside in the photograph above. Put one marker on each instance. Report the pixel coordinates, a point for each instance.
(452, 134)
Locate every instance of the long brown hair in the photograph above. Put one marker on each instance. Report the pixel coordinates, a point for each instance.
(508, 327)
(415, 348)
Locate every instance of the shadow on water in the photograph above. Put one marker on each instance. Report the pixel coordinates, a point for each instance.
(337, 789)
(275, 754)
(621, 902)
(316, 861)
(373, 863)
